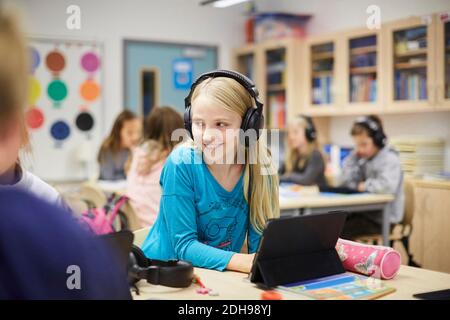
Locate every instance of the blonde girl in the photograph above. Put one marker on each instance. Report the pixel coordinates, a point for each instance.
(304, 163)
(205, 214)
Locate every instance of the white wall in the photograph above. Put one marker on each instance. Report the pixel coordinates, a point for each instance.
(336, 15)
(111, 21)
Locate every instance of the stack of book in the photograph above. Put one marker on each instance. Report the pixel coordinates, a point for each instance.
(419, 154)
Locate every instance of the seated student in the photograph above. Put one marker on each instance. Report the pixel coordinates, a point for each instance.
(13, 99)
(304, 163)
(143, 186)
(40, 260)
(372, 167)
(115, 150)
(211, 197)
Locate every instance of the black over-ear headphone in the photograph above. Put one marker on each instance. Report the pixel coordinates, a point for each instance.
(310, 130)
(375, 131)
(171, 273)
(253, 118)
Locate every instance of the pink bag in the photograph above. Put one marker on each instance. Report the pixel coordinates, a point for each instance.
(101, 220)
(377, 261)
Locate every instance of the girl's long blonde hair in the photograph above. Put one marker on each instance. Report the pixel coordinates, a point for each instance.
(264, 202)
(294, 156)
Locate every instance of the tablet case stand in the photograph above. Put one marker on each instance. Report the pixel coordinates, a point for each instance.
(270, 273)
(296, 249)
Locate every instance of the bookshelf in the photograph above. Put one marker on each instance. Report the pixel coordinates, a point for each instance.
(404, 67)
(245, 61)
(322, 73)
(272, 66)
(318, 90)
(362, 74)
(276, 70)
(443, 61)
(410, 65)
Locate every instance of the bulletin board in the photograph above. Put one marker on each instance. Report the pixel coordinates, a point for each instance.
(65, 109)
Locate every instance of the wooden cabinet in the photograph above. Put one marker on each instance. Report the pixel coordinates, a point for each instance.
(443, 60)
(363, 74)
(273, 66)
(403, 67)
(410, 64)
(430, 238)
(319, 90)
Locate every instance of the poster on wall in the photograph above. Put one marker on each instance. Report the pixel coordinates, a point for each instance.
(183, 73)
(65, 110)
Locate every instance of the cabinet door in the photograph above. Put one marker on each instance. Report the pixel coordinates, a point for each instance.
(245, 63)
(431, 229)
(323, 86)
(443, 60)
(363, 72)
(410, 64)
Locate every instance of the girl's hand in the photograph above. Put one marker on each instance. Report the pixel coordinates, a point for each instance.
(241, 262)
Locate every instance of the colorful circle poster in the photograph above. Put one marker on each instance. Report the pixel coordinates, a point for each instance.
(65, 106)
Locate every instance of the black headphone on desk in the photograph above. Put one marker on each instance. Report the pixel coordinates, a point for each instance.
(171, 273)
(310, 130)
(375, 131)
(253, 118)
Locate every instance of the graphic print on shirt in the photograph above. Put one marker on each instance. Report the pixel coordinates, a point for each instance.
(217, 230)
(220, 228)
(225, 203)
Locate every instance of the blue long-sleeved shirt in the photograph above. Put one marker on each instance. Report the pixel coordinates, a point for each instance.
(199, 221)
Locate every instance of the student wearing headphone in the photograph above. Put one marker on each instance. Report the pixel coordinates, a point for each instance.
(372, 167)
(304, 163)
(215, 192)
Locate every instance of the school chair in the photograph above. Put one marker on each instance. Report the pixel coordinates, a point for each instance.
(93, 195)
(133, 222)
(74, 202)
(140, 235)
(399, 237)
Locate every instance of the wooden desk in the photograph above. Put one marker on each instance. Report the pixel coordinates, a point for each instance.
(234, 286)
(321, 203)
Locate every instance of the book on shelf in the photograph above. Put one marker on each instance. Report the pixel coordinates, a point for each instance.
(322, 89)
(277, 107)
(363, 88)
(410, 85)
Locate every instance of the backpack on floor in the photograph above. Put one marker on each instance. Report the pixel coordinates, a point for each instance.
(103, 220)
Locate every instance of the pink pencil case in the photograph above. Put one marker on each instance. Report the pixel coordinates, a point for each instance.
(377, 261)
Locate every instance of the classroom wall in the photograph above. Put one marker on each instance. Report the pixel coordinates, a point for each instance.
(185, 21)
(332, 16)
(111, 21)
